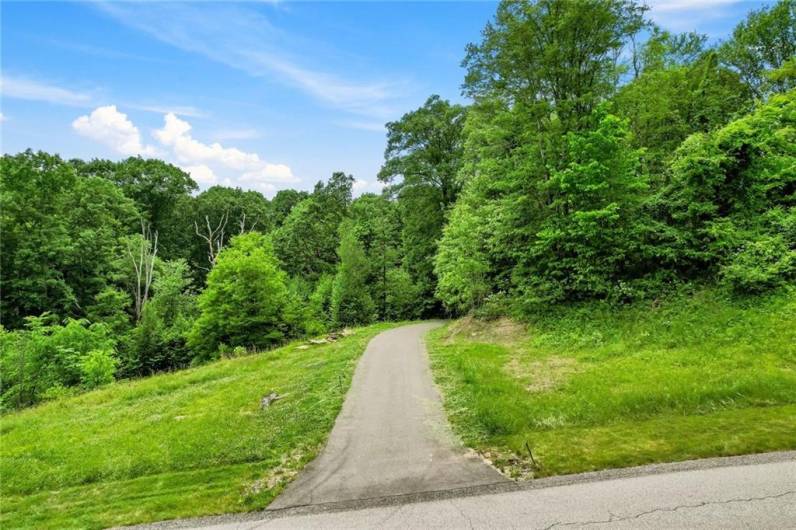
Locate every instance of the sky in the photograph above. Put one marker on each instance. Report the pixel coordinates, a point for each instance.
(260, 95)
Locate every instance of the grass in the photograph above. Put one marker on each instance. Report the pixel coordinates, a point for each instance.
(184, 444)
(594, 387)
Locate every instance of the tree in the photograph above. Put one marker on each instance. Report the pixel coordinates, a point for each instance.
(725, 184)
(244, 301)
(159, 341)
(218, 214)
(666, 104)
(156, 187)
(422, 161)
(556, 58)
(307, 240)
(61, 236)
(424, 150)
(351, 302)
(141, 252)
(377, 226)
(282, 203)
(763, 42)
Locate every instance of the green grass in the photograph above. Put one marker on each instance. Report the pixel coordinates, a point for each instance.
(189, 443)
(594, 387)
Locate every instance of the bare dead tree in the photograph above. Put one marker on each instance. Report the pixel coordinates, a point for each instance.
(143, 260)
(242, 224)
(214, 237)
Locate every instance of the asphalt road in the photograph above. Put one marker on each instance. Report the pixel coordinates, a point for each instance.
(391, 437)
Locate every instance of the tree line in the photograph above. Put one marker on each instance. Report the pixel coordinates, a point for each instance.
(601, 157)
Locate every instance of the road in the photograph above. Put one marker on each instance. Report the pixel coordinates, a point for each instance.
(391, 437)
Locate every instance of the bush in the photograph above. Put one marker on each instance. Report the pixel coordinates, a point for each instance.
(245, 300)
(98, 368)
(761, 265)
(46, 355)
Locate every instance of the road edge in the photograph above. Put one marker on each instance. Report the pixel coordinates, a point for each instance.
(499, 487)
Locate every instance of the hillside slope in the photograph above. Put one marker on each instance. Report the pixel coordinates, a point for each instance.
(188, 443)
(594, 387)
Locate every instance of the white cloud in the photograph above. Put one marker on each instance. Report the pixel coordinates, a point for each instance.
(21, 88)
(201, 174)
(252, 170)
(2, 117)
(176, 134)
(108, 126)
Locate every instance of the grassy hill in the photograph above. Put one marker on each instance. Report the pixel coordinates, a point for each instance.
(593, 387)
(189, 443)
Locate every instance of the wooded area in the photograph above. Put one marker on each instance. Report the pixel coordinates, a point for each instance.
(601, 157)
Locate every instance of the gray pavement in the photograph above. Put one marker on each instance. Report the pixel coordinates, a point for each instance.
(392, 436)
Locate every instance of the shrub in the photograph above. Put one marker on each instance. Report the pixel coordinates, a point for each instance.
(245, 300)
(98, 368)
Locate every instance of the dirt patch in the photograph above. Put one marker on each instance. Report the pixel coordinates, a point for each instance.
(501, 331)
(542, 375)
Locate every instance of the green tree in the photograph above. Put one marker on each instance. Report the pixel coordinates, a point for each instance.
(377, 225)
(282, 203)
(666, 104)
(244, 301)
(159, 341)
(45, 358)
(422, 160)
(306, 242)
(726, 183)
(351, 302)
(157, 188)
(61, 237)
(218, 214)
(763, 42)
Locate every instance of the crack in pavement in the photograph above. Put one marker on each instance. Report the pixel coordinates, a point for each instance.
(613, 519)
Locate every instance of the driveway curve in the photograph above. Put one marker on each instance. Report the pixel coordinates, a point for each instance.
(392, 436)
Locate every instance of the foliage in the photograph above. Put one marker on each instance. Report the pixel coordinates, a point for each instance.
(351, 302)
(307, 240)
(158, 342)
(46, 355)
(98, 368)
(666, 104)
(245, 299)
(422, 160)
(764, 42)
(156, 187)
(723, 184)
(61, 236)
(233, 211)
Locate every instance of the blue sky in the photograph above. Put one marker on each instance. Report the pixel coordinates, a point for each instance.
(261, 95)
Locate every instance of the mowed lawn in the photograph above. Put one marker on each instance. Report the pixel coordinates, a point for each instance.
(190, 443)
(595, 387)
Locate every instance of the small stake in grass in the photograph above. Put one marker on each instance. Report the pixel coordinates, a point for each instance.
(530, 453)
